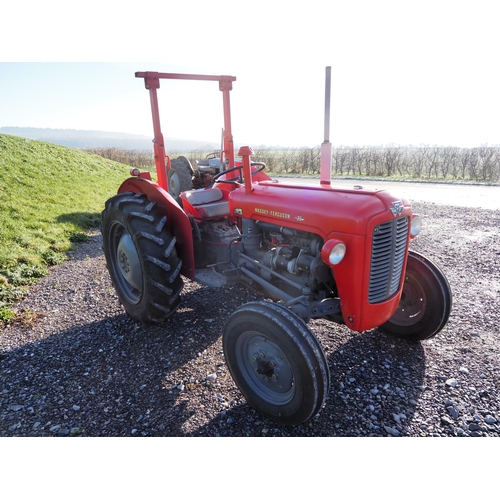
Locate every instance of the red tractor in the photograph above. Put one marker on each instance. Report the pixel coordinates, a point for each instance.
(315, 251)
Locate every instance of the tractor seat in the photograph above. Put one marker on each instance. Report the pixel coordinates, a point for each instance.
(209, 203)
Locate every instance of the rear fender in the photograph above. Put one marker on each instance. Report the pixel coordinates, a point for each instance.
(177, 221)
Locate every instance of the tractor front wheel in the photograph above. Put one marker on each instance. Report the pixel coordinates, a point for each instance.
(141, 257)
(425, 303)
(276, 361)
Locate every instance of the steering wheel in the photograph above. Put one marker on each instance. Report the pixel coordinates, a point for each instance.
(261, 165)
(238, 179)
(220, 174)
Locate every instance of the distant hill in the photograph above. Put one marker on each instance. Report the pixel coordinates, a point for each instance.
(85, 139)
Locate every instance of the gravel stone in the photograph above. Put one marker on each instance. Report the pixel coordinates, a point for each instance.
(391, 431)
(474, 427)
(446, 420)
(84, 368)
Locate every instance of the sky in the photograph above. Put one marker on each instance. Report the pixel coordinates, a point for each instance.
(403, 72)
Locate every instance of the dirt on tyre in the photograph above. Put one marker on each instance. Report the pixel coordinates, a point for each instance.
(141, 257)
(276, 361)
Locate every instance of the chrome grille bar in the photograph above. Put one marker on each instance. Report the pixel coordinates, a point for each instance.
(388, 254)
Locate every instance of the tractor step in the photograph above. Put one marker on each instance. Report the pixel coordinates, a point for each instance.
(215, 278)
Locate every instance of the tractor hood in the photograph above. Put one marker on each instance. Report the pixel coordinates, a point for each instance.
(318, 209)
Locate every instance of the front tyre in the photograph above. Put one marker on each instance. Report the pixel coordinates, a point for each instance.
(141, 257)
(276, 361)
(425, 303)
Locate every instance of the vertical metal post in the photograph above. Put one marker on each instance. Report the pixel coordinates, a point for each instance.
(326, 147)
(328, 79)
(225, 85)
(245, 152)
(152, 83)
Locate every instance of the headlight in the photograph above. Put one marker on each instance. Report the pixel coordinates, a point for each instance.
(336, 253)
(333, 252)
(416, 225)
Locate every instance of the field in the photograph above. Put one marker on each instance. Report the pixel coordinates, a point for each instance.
(49, 197)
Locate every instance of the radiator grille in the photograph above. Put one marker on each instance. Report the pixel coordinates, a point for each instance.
(388, 253)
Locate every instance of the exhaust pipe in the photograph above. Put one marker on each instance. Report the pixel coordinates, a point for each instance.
(326, 147)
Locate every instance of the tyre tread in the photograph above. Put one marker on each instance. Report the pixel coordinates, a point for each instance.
(162, 283)
(304, 340)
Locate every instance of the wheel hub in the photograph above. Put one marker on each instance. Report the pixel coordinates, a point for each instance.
(411, 306)
(174, 183)
(268, 368)
(128, 262)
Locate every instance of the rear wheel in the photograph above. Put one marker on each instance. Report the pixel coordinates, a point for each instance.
(180, 177)
(276, 361)
(141, 257)
(425, 303)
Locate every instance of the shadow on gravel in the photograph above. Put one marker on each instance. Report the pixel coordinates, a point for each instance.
(107, 378)
(116, 378)
(376, 382)
(80, 252)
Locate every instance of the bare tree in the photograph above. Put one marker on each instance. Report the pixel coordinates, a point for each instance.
(432, 161)
(448, 158)
(487, 160)
(339, 160)
(418, 161)
(392, 159)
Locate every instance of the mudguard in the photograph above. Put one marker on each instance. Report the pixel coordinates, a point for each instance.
(177, 221)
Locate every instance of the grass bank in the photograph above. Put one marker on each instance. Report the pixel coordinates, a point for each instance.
(50, 196)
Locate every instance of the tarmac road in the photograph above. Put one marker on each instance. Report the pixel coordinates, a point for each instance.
(458, 195)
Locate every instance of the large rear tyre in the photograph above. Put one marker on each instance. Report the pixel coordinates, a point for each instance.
(276, 361)
(425, 303)
(141, 257)
(180, 177)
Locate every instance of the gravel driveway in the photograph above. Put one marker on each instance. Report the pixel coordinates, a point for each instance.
(78, 366)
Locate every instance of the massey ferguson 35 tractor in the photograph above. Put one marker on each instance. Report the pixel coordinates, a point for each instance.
(311, 251)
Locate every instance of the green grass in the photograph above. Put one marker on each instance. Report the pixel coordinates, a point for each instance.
(50, 197)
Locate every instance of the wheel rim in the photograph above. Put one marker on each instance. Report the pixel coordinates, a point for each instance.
(174, 184)
(126, 263)
(412, 305)
(265, 368)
